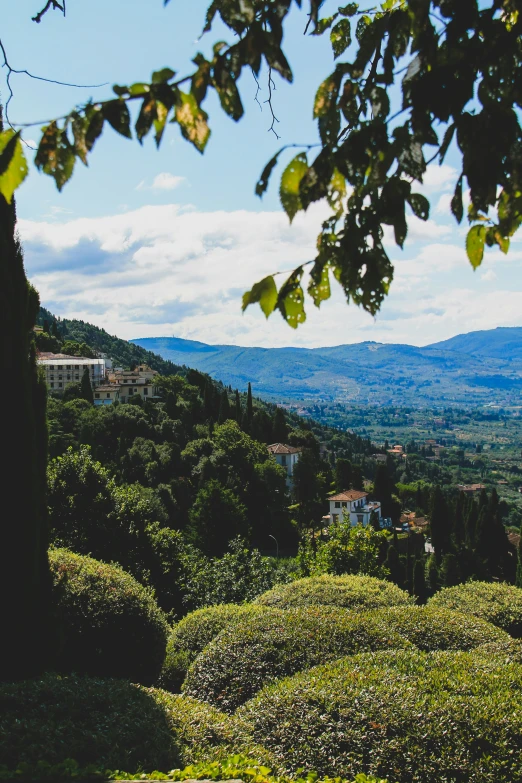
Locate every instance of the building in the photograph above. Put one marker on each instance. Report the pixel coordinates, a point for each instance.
(106, 394)
(471, 489)
(287, 457)
(60, 370)
(354, 503)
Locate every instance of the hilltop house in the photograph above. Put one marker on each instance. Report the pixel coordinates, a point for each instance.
(359, 510)
(61, 369)
(124, 384)
(287, 457)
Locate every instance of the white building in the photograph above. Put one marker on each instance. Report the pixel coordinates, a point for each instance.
(287, 457)
(354, 503)
(60, 370)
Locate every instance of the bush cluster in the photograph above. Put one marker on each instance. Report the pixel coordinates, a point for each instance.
(192, 634)
(261, 648)
(352, 592)
(496, 602)
(430, 628)
(109, 625)
(111, 724)
(412, 717)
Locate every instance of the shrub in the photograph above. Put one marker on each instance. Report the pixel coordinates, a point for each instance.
(109, 624)
(430, 628)
(352, 592)
(410, 716)
(192, 634)
(109, 723)
(496, 602)
(248, 654)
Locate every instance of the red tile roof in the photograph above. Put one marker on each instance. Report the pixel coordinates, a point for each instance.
(282, 448)
(350, 494)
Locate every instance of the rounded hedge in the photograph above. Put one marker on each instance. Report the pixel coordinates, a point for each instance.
(411, 717)
(430, 628)
(192, 634)
(261, 648)
(109, 624)
(496, 602)
(109, 723)
(351, 592)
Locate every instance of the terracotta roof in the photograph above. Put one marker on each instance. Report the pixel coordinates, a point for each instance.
(282, 448)
(350, 494)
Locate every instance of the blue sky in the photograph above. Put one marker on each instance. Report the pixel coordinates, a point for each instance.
(148, 243)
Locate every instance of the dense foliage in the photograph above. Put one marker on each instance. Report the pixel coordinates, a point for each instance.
(192, 634)
(414, 717)
(261, 648)
(352, 592)
(499, 604)
(108, 724)
(110, 625)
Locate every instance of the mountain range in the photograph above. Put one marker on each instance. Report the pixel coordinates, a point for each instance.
(469, 369)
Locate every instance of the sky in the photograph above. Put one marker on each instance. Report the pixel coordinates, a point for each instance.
(151, 243)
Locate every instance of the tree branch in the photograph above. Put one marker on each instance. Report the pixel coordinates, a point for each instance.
(50, 5)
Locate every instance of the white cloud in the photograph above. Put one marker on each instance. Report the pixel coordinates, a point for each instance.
(163, 181)
(488, 276)
(163, 270)
(438, 178)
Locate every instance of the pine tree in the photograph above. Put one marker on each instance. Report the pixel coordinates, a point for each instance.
(279, 427)
(419, 581)
(25, 584)
(87, 386)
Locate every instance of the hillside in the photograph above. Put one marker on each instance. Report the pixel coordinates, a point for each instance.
(477, 368)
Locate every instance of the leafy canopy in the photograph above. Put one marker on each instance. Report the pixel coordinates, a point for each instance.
(421, 75)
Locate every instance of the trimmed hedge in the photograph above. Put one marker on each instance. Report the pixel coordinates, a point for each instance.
(247, 655)
(192, 634)
(111, 724)
(351, 592)
(430, 628)
(410, 716)
(109, 624)
(496, 602)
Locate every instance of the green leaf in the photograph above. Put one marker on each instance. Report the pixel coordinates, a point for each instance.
(117, 115)
(319, 286)
(55, 155)
(158, 77)
(262, 183)
(119, 90)
(336, 191)
(79, 126)
(13, 165)
(324, 24)
(264, 292)
(138, 88)
(475, 244)
(448, 136)
(341, 37)
(291, 299)
(146, 117)
(289, 188)
(162, 112)
(326, 95)
(457, 206)
(228, 93)
(349, 10)
(420, 205)
(192, 121)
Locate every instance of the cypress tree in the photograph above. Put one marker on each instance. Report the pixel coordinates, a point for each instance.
(518, 578)
(432, 575)
(419, 581)
(86, 386)
(224, 407)
(449, 570)
(25, 583)
(394, 566)
(239, 411)
(279, 428)
(440, 524)
(250, 407)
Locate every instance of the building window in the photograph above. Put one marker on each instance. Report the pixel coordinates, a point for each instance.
(76, 366)
(108, 394)
(51, 366)
(360, 518)
(130, 392)
(283, 460)
(60, 378)
(337, 504)
(344, 505)
(52, 385)
(76, 377)
(97, 396)
(60, 385)
(52, 377)
(68, 367)
(145, 390)
(68, 377)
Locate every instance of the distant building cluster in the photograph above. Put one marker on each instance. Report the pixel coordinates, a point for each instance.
(109, 384)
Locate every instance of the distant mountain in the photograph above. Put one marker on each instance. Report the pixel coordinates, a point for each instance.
(504, 342)
(473, 368)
